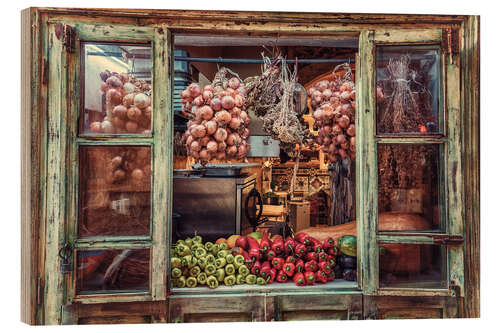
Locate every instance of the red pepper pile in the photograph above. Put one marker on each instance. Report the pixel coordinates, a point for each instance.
(303, 259)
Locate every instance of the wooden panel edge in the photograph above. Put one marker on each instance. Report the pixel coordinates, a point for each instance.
(26, 245)
(471, 107)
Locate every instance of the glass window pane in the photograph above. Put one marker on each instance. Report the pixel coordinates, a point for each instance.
(114, 191)
(103, 271)
(408, 89)
(412, 266)
(409, 185)
(117, 89)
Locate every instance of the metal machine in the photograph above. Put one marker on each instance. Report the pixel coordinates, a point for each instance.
(211, 202)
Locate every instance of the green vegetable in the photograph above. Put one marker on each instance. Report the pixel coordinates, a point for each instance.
(347, 245)
(200, 252)
(220, 262)
(209, 246)
(230, 270)
(210, 269)
(251, 279)
(180, 282)
(188, 241)
(191, 282)
(182, 250)
(220, 274)
(194, 271)
(240, 279)
(180, 242)
(212, 282)
(197, 239)
(222, 254)
(230, 258)
(176, 272)
(175, 262)
(230, 280)
(196, 246)
(261, 281)
(191, 261)
(183, 262)
(202, 262)
(202, 278)
(185, 271)
(222, 246)
(243, 270)
(239, 260)
(256, 235)
(210, 259)
(215, 249)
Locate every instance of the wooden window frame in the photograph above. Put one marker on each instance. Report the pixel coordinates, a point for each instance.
(451, 191)
(48, 140)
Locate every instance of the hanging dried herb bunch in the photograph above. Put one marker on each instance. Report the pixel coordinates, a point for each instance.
(274, 97)
(264, 91)
(403, 110)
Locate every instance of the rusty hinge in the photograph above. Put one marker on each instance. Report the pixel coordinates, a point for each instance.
(450, 42)
(65, 33)
(448, 239)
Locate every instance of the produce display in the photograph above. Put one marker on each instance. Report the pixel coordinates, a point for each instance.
(218, 125)
(258, 259)
(128, 105)
(334, 104)
(397, 258)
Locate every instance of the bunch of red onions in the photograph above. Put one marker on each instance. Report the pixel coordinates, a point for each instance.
(128, 105)
(218, 128)
(334, 103)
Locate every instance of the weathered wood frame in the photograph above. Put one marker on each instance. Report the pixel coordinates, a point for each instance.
(45, 138)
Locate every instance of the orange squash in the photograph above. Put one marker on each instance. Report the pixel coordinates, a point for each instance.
(221, 240)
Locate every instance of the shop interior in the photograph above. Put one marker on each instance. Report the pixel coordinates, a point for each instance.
(270, 190)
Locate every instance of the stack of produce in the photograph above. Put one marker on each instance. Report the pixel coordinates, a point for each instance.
(334, 103)
(195, 263)
(303, 259)
(347, 261)
(218, 125)
(253, 260)
(128, 105)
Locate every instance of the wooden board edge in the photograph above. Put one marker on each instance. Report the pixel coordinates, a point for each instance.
(471, 108)
(28, 274)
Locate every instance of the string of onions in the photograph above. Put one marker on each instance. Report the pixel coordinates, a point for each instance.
(334, 104)
(128, 105)
(218, 125)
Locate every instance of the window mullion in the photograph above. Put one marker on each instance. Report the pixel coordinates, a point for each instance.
(366, 170)
(162, 158)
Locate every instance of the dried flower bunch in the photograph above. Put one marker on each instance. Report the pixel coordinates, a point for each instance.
(274, 97)
(404, 110)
